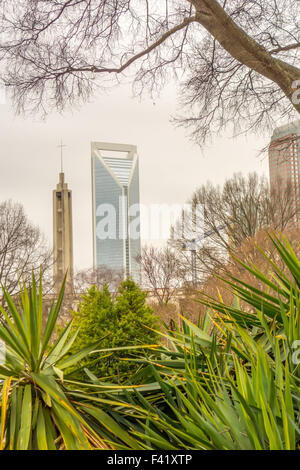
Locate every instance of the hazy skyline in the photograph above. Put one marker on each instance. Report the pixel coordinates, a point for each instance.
(171, 167)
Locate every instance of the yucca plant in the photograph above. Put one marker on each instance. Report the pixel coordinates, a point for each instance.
(230, 382)
(274, 308)
(37, 408)
(235, 403)
(237, 389)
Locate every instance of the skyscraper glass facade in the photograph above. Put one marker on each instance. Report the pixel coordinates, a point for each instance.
(116, 211)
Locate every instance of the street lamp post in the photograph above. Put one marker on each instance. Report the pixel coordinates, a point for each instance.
(191, 245)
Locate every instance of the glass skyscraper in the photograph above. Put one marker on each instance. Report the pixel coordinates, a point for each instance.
(116, 210)
(284, 161)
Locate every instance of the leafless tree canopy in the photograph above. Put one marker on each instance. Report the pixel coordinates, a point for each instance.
(249, 253)
(232, 214)
(237, 60)
(86, 278)
(162, 272)
(23, 249)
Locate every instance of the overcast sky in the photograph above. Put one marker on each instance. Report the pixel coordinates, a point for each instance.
(171, 167)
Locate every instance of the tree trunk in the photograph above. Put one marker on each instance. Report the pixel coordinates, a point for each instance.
(243, 48)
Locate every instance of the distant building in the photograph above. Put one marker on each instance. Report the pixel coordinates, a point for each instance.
(62, 235)
(116, 208)
(284, 159)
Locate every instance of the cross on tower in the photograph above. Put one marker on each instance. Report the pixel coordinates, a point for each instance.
(61, 146)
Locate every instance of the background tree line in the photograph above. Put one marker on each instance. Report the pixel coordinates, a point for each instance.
(23, 250)
(236, 216)
(244, 207)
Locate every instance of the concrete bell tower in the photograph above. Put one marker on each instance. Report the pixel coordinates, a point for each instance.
(62, 235)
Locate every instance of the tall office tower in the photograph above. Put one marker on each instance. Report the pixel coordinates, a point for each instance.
(284, 160)
(116, 208)
(62, 235)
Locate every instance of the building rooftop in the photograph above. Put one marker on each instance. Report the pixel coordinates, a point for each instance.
(291, 128)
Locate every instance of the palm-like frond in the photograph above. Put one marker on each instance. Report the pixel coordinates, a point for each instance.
(37, 410)
(232, 385)
(230, 382)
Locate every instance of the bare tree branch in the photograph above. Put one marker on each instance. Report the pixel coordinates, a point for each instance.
(23, 249)
(162, 273)
(237, 61)
(242, 207)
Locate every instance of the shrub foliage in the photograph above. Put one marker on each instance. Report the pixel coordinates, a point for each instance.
(125, 321)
